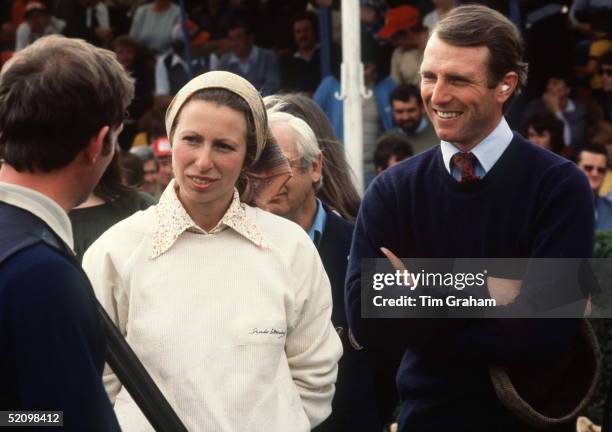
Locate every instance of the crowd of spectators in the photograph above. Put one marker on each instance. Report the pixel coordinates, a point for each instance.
(295, 46)
(284, 47)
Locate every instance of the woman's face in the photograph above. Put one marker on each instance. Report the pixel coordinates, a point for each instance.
(543, 139)
(209, 148)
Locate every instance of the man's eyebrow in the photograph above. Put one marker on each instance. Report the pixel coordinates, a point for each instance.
(458, 77)
(447, 76)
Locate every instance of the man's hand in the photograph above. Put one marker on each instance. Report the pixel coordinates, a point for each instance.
(397, 264)
(504, 291)
(395, 261)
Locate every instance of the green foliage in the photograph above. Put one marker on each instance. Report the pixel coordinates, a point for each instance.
(603, 329)
(603, 244)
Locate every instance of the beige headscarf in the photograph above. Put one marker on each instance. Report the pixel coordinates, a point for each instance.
(269, 170)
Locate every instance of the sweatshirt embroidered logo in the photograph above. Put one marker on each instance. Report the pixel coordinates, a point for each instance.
(267, 331)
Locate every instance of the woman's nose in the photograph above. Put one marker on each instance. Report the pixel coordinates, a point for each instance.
(204, 158)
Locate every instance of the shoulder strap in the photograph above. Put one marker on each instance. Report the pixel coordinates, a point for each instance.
(20, 229)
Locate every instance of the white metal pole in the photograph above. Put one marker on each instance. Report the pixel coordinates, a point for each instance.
(352, 88)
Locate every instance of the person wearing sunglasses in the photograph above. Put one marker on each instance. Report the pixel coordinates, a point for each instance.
(593, 161)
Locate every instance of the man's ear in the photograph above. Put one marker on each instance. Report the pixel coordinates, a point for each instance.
(97, 147)
(317, 169)
(505, 89)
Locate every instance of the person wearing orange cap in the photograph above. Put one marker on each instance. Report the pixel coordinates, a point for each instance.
(38, 22)
(403, 27)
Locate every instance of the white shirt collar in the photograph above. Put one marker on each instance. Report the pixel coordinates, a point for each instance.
(570, 107)
(176, 60)
(297, 54)
(41, 206)
(488, 151)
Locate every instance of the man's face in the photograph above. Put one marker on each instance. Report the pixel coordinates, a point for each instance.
(304, 35)
(540, 139)
(407, 115)
(151, 172)
(557, 87)
(165, 171)
(594, 165)
(606, 74)
(455, 92)
(241, 41)
(38, 22)
(402, 39)
(298, 193)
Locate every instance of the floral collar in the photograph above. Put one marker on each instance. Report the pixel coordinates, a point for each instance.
(173, 220)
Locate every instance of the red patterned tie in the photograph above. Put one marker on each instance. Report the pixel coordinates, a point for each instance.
(465, 163)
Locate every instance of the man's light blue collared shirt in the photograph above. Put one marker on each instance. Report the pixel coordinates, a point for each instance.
(245, 67)
(318, 224)
(422, 124)
(487, 152)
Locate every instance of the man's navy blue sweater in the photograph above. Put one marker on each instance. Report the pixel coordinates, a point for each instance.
(52, 348)
(531, 203)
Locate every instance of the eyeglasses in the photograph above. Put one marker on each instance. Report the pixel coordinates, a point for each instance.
(589, 168)
(295, 163)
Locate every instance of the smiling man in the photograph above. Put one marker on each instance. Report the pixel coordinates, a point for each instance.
(484, 192)
(593, 161)
(410, 119)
